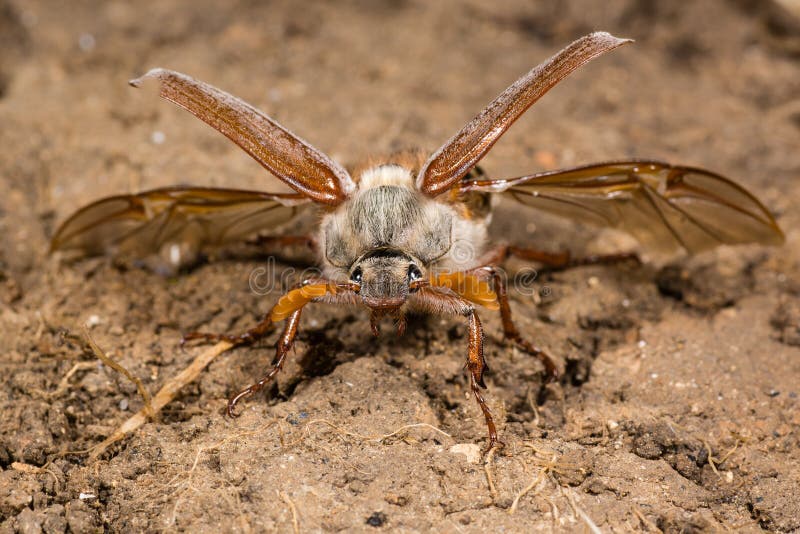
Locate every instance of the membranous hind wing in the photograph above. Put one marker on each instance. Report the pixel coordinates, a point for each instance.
(138, 225)
(664, 207)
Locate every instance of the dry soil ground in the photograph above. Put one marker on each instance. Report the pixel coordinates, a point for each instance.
(678, 406)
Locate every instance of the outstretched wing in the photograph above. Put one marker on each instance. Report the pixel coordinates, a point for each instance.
(465, 149)
(304, 168)
(142, 224)
(663, 206)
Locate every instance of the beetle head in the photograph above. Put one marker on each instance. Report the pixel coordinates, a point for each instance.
(386, 277)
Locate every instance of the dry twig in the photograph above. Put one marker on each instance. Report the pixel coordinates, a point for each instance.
(163, 397)
(646, 522)
(376, 439)
(580, 512)
(536, 482)
(285, 498)
(487, 469)
(148, 406)
(63, 384)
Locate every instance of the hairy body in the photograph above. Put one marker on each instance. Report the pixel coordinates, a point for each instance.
(388, 234)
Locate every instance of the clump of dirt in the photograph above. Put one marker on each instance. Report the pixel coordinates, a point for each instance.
(786, 319)
(14, 41)
(677, 405)
(709, 286)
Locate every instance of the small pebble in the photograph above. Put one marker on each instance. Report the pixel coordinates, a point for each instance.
(470, 450)
(86, 42)
(377, 519)
(123, 404)
(158, 137)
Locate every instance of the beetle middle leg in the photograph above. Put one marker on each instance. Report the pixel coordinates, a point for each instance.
(510, 330)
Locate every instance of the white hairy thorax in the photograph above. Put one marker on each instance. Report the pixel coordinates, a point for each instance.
(386, 210)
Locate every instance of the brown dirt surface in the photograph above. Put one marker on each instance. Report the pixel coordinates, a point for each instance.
(678, 406)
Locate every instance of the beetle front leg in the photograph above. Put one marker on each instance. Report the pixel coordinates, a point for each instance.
(436, 300)
(285, 343)
(476, 364)
(293, 300)
(288, 308)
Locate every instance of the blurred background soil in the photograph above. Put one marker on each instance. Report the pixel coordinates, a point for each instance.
(678, 405)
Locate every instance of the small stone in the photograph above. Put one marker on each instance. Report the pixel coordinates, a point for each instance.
(158, 138)
(470, 450)
(29, 522)
(395, 499)
(377, 519)
(116, 330)
(81, 518)
(16, 492)
(86, 42)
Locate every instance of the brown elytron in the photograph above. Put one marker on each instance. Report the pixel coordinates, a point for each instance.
(390, 239)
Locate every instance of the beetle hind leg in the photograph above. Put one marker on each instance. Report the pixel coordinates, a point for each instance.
(249, 337)
(556, 261)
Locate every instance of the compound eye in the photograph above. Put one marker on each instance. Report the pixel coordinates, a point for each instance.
(414, 273)
(355, 276)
